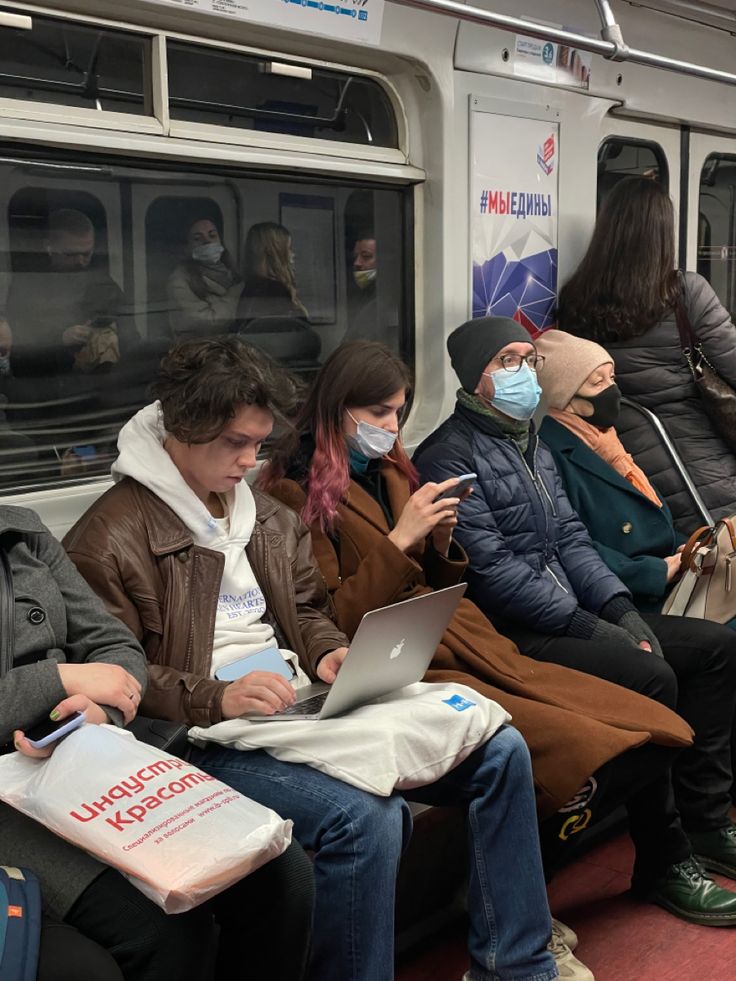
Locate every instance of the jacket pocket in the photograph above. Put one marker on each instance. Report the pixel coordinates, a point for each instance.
(149, 611)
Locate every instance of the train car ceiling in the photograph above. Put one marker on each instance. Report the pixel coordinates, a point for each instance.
(612, 49)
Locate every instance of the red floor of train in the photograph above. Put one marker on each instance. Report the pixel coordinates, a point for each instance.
(620, 939)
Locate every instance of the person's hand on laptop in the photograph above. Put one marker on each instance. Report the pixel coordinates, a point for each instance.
(330, 664)
(257, 693)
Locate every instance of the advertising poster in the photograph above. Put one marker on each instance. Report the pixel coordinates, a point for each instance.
(347, 20)
(513, 218)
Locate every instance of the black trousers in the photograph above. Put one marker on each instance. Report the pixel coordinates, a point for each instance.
(265, 923)
(67, 955)
(697, 678)
(639, 779)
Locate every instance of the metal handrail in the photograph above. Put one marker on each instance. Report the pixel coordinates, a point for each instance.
(679, 466)
(609, 49)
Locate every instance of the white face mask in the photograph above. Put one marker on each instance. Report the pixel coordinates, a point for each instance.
(372, 441)
(364, 277)
(208, 254)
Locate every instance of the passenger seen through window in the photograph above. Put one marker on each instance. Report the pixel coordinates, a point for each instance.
(204, 290)
(143, 240)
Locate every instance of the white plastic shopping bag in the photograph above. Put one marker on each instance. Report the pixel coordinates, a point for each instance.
(407, 739)
(177, 833)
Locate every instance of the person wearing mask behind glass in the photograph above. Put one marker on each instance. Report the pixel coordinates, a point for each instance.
(204, 289)
(364, 322)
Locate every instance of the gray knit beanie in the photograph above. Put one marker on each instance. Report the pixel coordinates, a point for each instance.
(476, 342)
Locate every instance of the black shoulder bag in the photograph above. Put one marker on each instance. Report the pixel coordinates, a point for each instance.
(718, 398)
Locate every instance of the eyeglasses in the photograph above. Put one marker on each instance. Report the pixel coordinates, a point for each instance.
(513, 362)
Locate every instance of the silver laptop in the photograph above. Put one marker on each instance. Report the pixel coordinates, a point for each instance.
(392, 647)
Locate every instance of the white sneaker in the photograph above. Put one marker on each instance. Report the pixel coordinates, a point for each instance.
(568, 966)
(564, 941)
(566, 934)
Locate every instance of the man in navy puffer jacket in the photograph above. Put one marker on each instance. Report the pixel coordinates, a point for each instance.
(533, 570)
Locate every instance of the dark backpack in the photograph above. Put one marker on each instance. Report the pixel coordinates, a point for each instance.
(20, 924)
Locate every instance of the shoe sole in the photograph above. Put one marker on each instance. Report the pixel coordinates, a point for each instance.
(702, 919)
(713, 865)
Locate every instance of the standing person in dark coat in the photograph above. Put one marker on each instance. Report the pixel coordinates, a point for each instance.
(623, 295)
(534, 571)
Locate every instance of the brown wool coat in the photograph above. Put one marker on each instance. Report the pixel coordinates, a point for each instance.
(572, 722)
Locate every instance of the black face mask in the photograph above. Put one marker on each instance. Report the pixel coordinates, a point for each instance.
(606, 407)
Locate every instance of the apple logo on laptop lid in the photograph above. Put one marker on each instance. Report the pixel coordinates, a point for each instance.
(398, 649)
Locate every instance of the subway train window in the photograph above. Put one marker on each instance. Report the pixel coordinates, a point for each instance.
(716, 227)
(75, 65)
(103, 266)
(226, 88)
(620, 157)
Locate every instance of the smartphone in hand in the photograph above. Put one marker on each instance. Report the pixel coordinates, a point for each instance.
(48, 731)
(466, 480)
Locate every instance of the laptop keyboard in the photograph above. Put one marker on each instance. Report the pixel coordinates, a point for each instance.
(310, 706)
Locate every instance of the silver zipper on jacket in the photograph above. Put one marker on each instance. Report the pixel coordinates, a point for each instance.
(541, 501)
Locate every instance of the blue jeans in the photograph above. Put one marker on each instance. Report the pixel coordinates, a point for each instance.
(358, 838)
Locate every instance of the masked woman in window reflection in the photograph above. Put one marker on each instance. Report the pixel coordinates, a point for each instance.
(204, 290)
(270, 286)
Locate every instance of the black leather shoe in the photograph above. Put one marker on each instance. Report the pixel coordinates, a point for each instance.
(685, 890)
(716, 850)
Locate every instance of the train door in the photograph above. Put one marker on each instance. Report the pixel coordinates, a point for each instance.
(712, 213)
(641, 148)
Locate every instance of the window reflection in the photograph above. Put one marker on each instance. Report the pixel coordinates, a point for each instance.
(102, 268)
(620, 157)
(717, 227)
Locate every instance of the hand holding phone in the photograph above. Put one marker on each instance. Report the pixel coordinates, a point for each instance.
(42, 735)
(465, 481)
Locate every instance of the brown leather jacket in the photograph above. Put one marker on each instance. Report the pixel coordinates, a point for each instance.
(141, 560)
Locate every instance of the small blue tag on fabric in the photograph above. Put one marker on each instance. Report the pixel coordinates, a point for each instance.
(459, 703)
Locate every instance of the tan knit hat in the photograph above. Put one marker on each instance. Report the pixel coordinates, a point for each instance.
(568, 360)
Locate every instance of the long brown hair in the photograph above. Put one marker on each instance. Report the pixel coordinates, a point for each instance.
(268, 254)
(358, 374)
(627, 281)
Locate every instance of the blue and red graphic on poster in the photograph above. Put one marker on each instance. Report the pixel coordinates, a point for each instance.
(520, 287)
(513, 218)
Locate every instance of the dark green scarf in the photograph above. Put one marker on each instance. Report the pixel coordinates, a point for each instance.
(515, 429)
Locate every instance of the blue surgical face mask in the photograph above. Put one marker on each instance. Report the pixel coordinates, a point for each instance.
(208, 254)
(372, 441)
(517, 392)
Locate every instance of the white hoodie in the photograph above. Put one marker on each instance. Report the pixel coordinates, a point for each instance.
(240, 605)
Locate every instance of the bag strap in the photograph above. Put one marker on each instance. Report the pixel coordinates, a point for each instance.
(699, 537)
(679, 599)
(7, 613)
